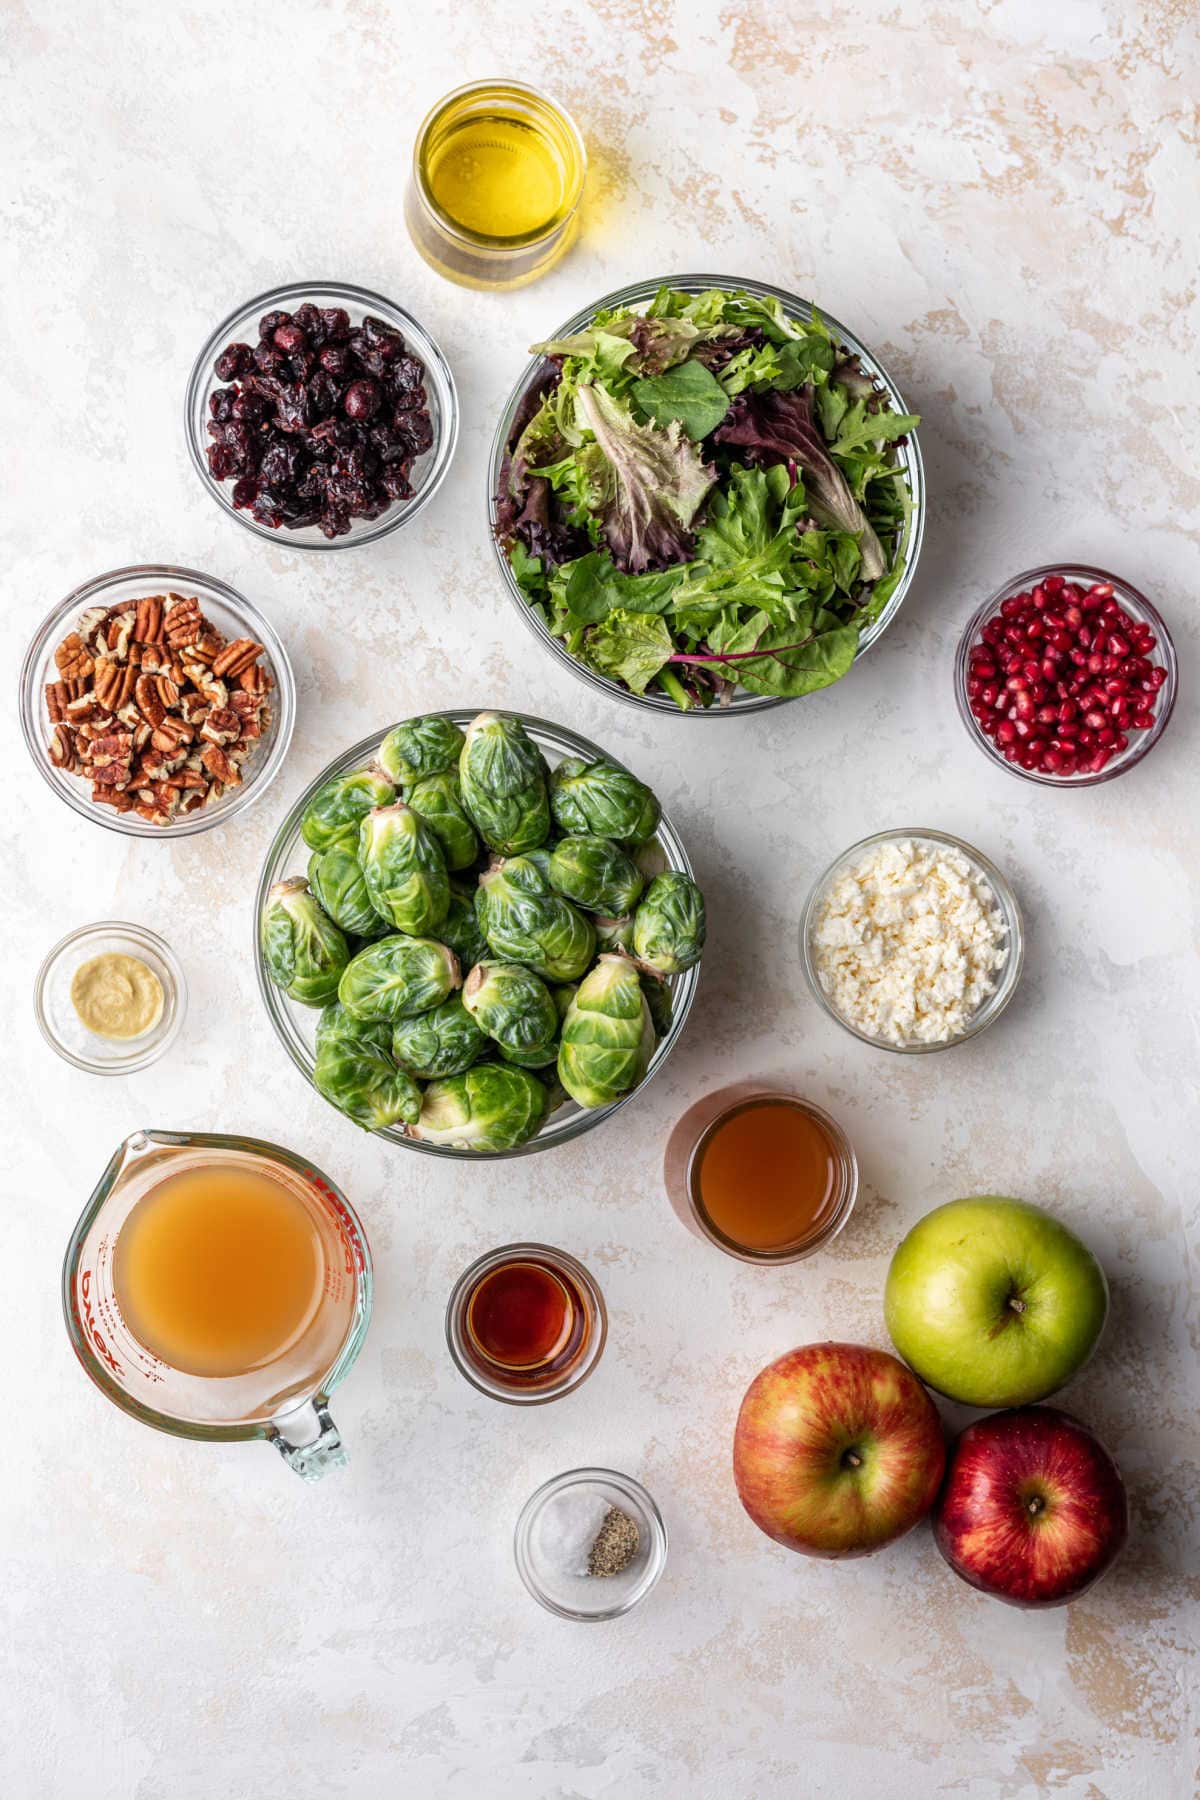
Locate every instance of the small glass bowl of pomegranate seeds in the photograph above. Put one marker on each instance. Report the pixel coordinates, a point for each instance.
(1066, 675)
(321, 415)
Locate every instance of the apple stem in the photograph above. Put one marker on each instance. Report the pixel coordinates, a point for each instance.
(1016, 1303)
(1034, 1505)
(852, 1459)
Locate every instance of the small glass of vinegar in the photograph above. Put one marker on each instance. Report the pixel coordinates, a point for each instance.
(767, 1177)
(497, 176)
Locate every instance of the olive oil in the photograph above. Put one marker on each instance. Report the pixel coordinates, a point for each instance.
(498, 171)
(499, 177)
(767, 1177)
(219, 1270)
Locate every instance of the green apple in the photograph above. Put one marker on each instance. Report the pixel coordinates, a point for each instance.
(993, 1302)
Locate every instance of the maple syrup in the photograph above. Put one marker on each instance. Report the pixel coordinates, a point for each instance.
(526, 1323)
(771, 1177)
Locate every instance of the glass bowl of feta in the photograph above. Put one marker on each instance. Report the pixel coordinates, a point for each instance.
(912, 940)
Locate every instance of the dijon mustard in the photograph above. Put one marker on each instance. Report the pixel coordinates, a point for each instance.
(117, 996)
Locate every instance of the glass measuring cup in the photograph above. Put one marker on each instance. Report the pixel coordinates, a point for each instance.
(285, 1400)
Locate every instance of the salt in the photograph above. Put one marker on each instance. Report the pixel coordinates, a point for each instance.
(567, 1527)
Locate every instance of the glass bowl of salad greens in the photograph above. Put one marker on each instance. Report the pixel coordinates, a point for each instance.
(706, 496)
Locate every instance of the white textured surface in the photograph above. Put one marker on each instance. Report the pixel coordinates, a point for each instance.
(1001, 200)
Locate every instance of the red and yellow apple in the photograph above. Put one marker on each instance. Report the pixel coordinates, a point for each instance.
(1033, 1510)
(838, 1450)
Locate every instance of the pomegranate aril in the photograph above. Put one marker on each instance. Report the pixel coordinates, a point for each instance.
(1073, 617)
(1067, 710)
(1121, 744)
(1025, 706)
(1006, 733)
(1095, 663)
(1116, 684)
(1011, 607)
(974, 687)
(1037, 597)
(1012, 753)
(1068, 729)
(1047, 715)
(1095, 720)
(1106, 737)
(1054, 584)
(1049, 668)
(1118, 645)
(1156, 678)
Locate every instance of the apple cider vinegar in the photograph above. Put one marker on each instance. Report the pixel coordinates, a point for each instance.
(768, 1176)
(219, 1270)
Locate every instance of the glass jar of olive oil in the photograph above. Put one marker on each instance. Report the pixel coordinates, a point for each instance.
(497, 176)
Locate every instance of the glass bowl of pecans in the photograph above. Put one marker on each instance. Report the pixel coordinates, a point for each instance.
(157, 701)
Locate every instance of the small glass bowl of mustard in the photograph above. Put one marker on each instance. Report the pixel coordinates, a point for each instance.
(498, 172)
(110, 998)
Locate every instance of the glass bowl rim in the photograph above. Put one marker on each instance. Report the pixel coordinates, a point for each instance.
(683, 991)
(1014, 962)
(146, 939)
(843, 1146)
(742, 702)
(526, 240)
(261, 771)
(201, 381)
(578, 1272)
(634, 1491)
(1140, 746)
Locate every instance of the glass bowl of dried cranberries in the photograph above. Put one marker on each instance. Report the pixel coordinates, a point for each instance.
(321, 415)
(1066, 676)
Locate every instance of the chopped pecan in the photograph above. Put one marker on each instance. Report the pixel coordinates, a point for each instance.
(256, 679)
(129, 715)
(62, 749)
(149, 701)
(189, 778)
(168, 692)
(237, 657)
(112, 796)
(148, 619)
(183, 622)
(208, 645)
(120, 631)
(171, 734)
(155, 658)
(114, 682)
(84, 710)
(221, 726)
(220, 766)
(193, 800)
(72, 659)
(91, 620)
(58, 698)
(193, 708)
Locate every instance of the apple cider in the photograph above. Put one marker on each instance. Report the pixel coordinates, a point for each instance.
(769, 1176)
(221, 1269)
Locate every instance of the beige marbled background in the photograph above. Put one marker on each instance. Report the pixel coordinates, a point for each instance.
(1002, 199)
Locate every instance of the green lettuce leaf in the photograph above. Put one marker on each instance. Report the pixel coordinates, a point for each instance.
(630, 647)
(654, 482)
(688, 392)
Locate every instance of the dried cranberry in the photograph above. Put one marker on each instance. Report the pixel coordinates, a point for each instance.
(268, 360)
(233, 361)
(362, 400)
(289, 338)
(308, 317)
(335, 359)
(336, 321)
(244, 490)
(269, 324)
(221, 404)
(408, 373)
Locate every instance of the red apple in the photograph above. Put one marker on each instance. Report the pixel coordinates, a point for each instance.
(1033, 1510)
(838, 1450)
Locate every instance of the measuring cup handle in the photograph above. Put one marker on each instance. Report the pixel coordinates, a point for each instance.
(321, 1449)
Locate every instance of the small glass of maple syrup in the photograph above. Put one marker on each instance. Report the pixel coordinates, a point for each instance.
(765, 1176)
(526, 1324)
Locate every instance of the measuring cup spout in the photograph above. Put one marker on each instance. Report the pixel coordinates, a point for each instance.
(308, 1441)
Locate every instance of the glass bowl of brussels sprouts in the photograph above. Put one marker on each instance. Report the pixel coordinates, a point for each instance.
(478, 935)
(733, 498)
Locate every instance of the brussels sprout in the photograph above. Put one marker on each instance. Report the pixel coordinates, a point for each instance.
(524, 920)
(669, 925)
(596, 873)
(336, 878)
(365, 1084)
(397, 978)
(658, 999)
(601, 800)
(514, 1007)
(436, 798)
(607, 1035)
(337, 1025)
(444, 1041)
(304, 950)
(341, 802)
(460, 928)
(404, 869)
(420, 747)
(614, 934)
(503, 781)
(492, 1107)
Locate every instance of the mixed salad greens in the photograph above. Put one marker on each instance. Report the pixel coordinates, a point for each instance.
(706, 496)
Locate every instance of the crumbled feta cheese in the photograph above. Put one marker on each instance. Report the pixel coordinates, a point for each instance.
(908, 942)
